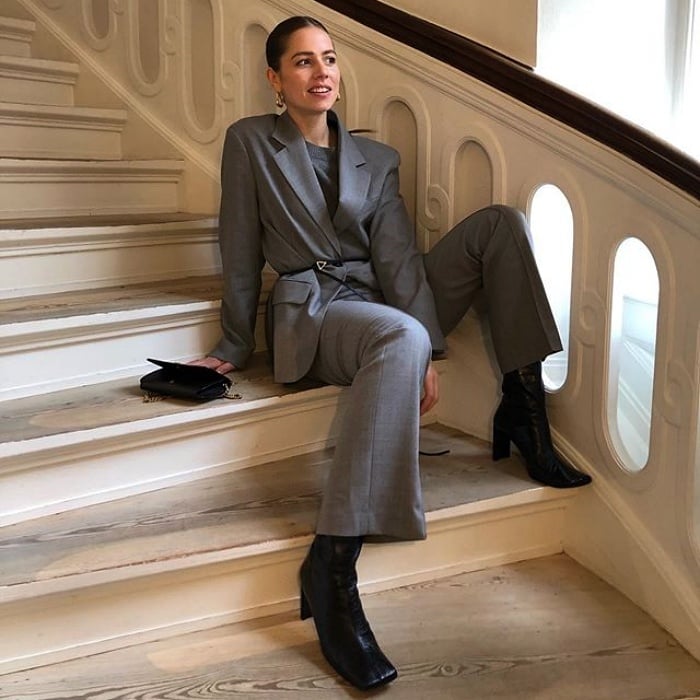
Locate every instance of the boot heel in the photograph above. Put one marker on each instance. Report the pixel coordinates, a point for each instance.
(304, 607)
(501, 444)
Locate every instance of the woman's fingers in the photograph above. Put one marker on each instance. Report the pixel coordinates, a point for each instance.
(221, 366)
(431, 390)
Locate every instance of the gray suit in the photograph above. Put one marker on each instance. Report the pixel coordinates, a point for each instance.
(273, 209)
(379, 343)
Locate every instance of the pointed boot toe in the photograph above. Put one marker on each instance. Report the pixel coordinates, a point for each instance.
(329, 594)
(521, 418)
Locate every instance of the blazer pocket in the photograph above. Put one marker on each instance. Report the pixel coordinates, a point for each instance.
(288, 291)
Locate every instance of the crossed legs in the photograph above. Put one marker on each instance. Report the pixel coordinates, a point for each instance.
(373, 487)
(381, 353)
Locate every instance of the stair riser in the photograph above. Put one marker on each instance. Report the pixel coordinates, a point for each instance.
(35, 196)
(45, 262)
(14, 47)
(37, 91)
(16, 36)
(57, 140)
(54, 475)
(72, 625)
(63, 353)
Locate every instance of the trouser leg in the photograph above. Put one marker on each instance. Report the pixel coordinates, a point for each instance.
(491, 251)
(373, 487)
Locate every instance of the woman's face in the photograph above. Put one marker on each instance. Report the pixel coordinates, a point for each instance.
(309, 76)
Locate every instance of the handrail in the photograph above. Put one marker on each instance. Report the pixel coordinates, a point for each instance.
(520, 82)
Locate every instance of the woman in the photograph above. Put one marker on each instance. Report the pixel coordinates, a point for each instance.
(356, 305)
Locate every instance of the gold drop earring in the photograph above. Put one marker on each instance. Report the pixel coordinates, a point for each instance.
(279, 100)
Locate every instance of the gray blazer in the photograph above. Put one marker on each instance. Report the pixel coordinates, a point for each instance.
(273, 208)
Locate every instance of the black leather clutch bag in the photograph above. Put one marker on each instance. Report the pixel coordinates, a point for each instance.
(185, 381)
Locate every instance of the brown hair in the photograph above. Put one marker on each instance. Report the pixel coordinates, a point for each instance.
(276, 43)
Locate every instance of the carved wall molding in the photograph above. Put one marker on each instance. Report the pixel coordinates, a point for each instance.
(133, 40)
(96, 41)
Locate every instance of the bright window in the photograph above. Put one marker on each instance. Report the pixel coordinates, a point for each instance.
(552, 224)
(638, 59)
(634, 309)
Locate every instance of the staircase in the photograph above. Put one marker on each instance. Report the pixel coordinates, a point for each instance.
(124, 521)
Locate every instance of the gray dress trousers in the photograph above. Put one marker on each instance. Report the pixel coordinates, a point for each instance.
(373, 488)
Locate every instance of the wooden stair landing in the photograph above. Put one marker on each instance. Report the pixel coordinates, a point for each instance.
(545, 629)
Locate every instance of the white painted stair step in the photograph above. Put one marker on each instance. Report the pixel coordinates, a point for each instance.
(41, 188)
(37, 81)
(57, 341)
(60, 132)
(16, 36)
(59, 255)
(94, 444)
(229, 548)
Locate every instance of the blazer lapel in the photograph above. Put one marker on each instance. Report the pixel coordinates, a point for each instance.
(294, 162)
(354, 180)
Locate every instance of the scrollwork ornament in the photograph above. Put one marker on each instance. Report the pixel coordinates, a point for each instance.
(230, 80)
(171, 34)
(675, 405)
(436, 218)
(589, 318)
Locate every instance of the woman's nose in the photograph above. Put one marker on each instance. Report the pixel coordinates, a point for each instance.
(321, 68)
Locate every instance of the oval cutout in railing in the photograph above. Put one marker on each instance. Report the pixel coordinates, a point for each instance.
(473, 179)
(202, 66)
(258, 95)
(149, 40)
(401, 132)
(633, 332)
(552, 225)
(100, 20)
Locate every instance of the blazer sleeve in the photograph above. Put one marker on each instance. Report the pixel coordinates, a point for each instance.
(241, 253)
(397, 262)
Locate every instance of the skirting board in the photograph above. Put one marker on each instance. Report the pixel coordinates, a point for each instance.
(614, 549)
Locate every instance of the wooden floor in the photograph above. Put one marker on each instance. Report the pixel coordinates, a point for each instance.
(542, 629)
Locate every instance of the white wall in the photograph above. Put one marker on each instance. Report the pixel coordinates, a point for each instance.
(504, 25)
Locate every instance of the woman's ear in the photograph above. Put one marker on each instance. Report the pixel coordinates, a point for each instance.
(273, 79)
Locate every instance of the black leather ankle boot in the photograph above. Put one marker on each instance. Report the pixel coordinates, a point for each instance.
(521, 418)
(329, 594)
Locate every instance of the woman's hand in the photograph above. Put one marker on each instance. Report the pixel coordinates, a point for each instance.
(221, 366)
(431, 389)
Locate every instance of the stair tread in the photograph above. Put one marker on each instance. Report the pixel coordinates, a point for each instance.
(67, 69)
(27, 25)
(91, 221)
(268, 503)
(39, 112)
(143, 166)
(111, 299)
(122, 401)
